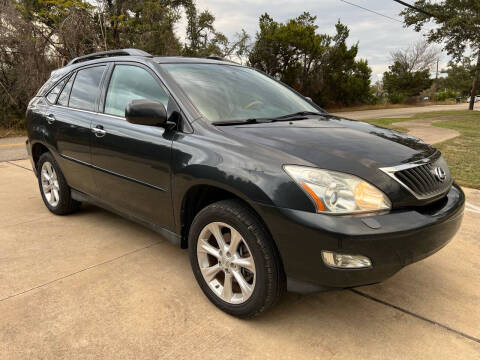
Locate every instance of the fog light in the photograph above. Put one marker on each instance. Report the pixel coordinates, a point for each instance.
(345, 261)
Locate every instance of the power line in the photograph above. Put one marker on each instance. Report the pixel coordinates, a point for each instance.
(415, 8)
(372, 11)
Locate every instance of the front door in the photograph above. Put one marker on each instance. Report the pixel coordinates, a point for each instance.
(132, 162)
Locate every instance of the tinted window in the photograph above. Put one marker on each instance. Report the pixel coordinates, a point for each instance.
(52, 95)
(63, 98)
(86, 88)
(131, 83)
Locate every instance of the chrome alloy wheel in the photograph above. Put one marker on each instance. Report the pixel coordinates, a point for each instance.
(50, 186)
(226, 262)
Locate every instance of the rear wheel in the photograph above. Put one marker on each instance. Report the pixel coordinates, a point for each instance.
(54, 189)
(234, 259)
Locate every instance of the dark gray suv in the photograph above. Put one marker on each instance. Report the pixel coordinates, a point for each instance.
(266, 190)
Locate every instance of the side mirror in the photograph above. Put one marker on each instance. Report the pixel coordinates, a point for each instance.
(146, 112)
(309, 99)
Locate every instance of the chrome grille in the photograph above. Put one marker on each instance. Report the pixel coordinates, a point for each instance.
(424, 179)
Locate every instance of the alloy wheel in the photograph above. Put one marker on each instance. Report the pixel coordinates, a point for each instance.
(226, 262)
(50, 186)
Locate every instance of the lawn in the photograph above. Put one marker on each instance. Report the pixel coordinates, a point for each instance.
(387, 122)
(463, 152)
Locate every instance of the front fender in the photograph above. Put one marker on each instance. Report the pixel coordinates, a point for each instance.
(253, 174)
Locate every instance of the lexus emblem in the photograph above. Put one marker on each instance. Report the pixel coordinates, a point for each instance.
(439, 173)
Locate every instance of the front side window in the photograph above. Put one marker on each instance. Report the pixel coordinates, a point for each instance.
(86, 88)
(52, 95)
(131, 83)
(232, 93)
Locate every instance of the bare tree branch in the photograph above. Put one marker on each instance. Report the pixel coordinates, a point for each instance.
(418, 57)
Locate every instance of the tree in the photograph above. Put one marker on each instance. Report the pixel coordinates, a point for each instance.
(25, 62)
(65, 26)
(456, 25)
(203, 40)
(402, 83)
(409, 74)
(459, 76)
(418, 57)
(320, 66)
(145, 24)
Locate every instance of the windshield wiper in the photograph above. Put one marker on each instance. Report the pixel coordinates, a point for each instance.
(301, 115)
(298, 115)
(241, 122)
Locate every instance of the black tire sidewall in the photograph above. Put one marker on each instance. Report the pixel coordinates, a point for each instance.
(66, 204)
(216, 213)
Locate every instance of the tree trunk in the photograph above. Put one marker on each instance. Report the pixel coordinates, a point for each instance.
(475, 84)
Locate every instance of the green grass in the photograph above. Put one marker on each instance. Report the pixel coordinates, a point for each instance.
(387, 122)
(463, 152)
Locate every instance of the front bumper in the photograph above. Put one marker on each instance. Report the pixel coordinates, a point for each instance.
(391, 241)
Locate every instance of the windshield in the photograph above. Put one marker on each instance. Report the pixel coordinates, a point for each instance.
(232, 93)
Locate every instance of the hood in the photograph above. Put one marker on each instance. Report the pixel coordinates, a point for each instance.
(335, 143)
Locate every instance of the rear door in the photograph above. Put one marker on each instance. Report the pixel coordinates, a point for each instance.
(132, 162)
(69, 121)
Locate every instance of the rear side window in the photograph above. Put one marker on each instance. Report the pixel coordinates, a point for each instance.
(131, 83)
(86, 88)
(63, 98)
(52, 95)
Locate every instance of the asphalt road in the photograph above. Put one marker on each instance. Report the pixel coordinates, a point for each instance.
(13, 148)
(400, 112)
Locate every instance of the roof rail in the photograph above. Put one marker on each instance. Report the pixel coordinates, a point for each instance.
(100, 54)
(215, 57)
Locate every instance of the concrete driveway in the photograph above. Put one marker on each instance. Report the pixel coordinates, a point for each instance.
(94, 285)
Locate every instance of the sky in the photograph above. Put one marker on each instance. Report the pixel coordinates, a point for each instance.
(377, 36)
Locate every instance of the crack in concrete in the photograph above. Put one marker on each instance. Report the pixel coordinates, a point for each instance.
(80, 271)
(20, 166)
(418, 316)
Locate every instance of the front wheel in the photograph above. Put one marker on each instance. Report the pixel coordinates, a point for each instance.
(234, 259)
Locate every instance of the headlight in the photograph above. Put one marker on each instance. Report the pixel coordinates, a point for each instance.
(338, 193)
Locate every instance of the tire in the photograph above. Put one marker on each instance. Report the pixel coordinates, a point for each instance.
(62, 202)
(263, 282)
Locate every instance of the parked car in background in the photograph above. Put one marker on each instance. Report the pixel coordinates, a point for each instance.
(477, 98)
(266, 190)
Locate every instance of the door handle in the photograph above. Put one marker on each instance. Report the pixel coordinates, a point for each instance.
(99, 131)
(50, 118)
